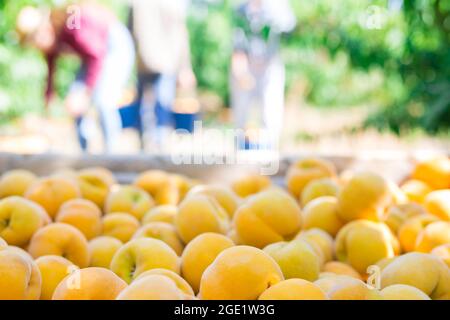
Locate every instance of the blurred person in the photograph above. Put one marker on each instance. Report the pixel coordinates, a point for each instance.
(163, 51)
(106, 50)
(257, 70)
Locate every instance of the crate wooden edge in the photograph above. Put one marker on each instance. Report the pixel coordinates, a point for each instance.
(125, 167)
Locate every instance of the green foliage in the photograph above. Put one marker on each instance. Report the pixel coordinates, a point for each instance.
(21, 72)
(210, 29)
(425, 70)
(346, 52)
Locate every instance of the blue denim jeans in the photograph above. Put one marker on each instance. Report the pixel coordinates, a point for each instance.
(157, 113)
(116, 72)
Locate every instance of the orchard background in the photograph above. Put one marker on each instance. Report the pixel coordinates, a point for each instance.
(384, 64)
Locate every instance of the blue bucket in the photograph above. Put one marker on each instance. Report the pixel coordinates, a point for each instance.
(130, 116)
(185, 121)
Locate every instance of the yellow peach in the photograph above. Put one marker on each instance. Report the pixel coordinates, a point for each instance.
(341, 268)
(232, 234)
(383, 263)
(319, 188)
(362, 243)
(164, 213)
(434, 172)
(268, 217)
(120, 225)
(250, 185)
(53, 270)
(410, 229)
(200, 253)
(182, 284)
(321, 242)
(225, 197)
(143, 254)
(19, 251)
(52, 192)
(438, 203)
(153, 287)
(83, 215)
(199, 214)
(168, 193)
(183, 184)
(90, 284)
(160, 186)
(294, 289)
(306, 170)
(63, 240)
(128, 199)
(403, 292)
(415, 190)
(396, 215)
(20, 219)
(102, 250)
(443, 252)
(105, 173)
(95, 184)
(444, 297)
(162, 231)
(15, 183)
(323, 213)
(421, 270)
(324, 274)
(396, 193)
(342, 287)
(365, 196)
(297, 259)
(239, 273)
(20, 278)
(433, 235)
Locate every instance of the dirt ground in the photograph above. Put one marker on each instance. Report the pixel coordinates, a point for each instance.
(329, 131)
(307, 130)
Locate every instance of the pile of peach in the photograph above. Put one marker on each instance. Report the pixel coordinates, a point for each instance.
(81, 235)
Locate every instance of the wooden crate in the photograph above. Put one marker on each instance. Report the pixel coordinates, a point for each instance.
(127, 167)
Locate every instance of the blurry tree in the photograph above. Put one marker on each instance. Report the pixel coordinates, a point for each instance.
(210, 28)
(392, 55)
(404, 42)
(424, 68)
(21, 72)
(346, 51)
